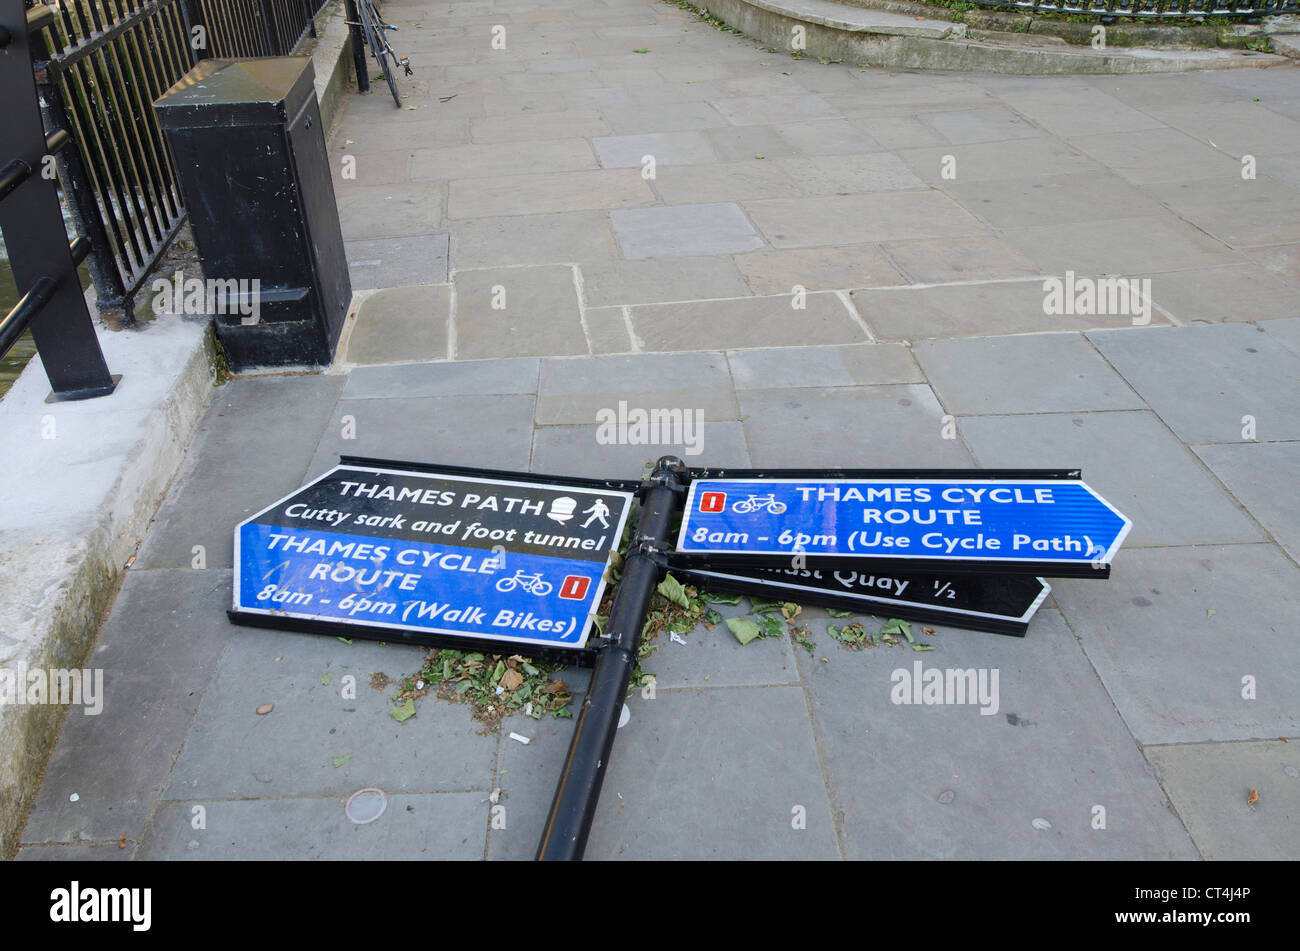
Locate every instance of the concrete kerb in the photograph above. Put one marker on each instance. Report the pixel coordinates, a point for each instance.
(891, 47)
(90, 476)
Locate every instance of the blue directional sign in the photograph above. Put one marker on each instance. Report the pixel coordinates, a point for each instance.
(428, 552)
(1019, 525)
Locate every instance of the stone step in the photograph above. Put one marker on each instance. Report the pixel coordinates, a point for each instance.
(903, 41)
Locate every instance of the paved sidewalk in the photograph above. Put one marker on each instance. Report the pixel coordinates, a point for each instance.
(908, 206)
(1134, 719)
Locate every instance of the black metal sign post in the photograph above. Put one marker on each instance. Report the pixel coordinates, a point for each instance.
(574, 805)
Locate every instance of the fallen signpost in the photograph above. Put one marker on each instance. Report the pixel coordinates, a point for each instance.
(486, 560)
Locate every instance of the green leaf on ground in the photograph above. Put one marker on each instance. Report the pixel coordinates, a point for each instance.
(340, 760)
(403, 712)
(836, 612)
(672, 589)
(326, 679)
(640, 51)
(744, 630)
(716, 598)
(896, 628)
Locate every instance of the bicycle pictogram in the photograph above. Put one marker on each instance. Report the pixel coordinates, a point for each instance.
(532, 583)
(756, 502)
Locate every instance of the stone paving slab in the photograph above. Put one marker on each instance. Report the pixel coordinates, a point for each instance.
(1076, 112)
(998, 161)
(652, 280)
(1237, 292)
(1124, 246)
(607, 330)
(572, 392)
(546, 193)
(1152, 156)
(1131, 459)
(1238, 213)
(755, 321)
(1286, 332)
(971, 310)
(990, 124)
(574, 450)
(818, 269)
(822, 366)
(725, 792)
(413, 828)
(729, 181)
(824, 137)
(483, 377)
(245, 431)
(860, 219)
(1024, 202)
(1263, 477)
(389, 211)
(396, 262)
(665, 148)
(1204, 380)
(401, 325)
(929, 781)
(684, 231)
(233, 753)
(518, 312)
(492, 160)
(533, 239)
(1033, 373)
(76, 853)
(1210, 783)
(862, 426)
(848, 174)
(1174, 631)
(428, 429)
(158, 651)
(946, 260)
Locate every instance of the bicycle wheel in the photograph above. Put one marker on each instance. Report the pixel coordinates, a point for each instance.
(378, 43)
(389, 71)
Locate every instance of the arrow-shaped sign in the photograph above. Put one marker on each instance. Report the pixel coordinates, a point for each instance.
(1001, 604)
(1057, 527)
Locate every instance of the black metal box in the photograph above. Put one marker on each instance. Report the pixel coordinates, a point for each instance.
(247, 140)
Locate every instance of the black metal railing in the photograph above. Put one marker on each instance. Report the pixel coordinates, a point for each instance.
(100, 64)
(1151, 9)
(44, 262)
